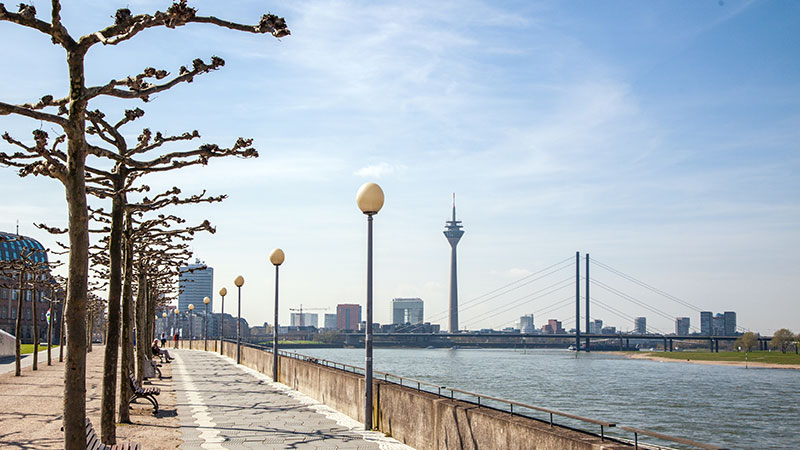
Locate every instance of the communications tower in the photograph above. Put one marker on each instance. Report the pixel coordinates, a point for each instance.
(453, 233)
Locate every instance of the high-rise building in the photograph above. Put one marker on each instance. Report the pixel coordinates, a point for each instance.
(640, 325)
(526, 324)
(330, 321)
(553, 326)
(304, 320)
(348, 316)
(407, 310)
(196, 282)
(453, 233)
(596, 326)
(682, 326)
(729, 323)
(706, 318)
(718, 324)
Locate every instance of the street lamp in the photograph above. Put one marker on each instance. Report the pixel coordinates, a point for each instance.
(166, 323)
(191, 325)
(276, 258)
(175, 341)
(206, 300)
(370, 200)
(239, 282)
(223, 292)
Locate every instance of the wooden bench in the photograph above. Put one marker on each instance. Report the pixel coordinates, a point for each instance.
(148, 394)
(93, 441)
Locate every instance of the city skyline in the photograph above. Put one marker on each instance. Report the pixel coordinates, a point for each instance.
(660, 138)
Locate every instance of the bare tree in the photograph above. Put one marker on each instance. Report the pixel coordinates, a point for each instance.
(70, 115)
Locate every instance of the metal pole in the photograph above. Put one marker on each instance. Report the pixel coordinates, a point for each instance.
(577, 302)
(191, 329)
(587, 303)
(205, 330)
(368, 337)
(238, 328)
(275, 333)
(222, 325)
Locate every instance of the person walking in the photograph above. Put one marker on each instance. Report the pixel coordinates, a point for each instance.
(177, 336)
(163, 339)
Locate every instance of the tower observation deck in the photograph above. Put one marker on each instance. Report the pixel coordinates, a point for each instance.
(453, 232)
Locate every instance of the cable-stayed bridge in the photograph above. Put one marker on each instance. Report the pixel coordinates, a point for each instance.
(565, 292)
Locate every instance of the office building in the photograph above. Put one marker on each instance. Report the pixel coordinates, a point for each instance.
(348, 316)
(526, 324)
(729, 323)
(330, 321)
(595, 326)
(304, 320)
(682, 326)
(640, 325)
(706, 318)
(453, 233)
(407, 310)
(196, 282)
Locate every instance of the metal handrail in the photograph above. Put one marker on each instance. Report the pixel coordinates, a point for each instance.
(637, 431)
(603, 424)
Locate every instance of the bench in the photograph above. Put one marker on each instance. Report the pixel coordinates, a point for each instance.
(148, 394)
(93, 441)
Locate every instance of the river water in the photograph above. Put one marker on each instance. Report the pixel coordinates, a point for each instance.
(727, 406)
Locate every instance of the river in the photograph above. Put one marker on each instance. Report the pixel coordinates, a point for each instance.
(727, 406)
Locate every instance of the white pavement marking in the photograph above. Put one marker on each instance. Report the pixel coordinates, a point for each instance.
(199, 410)
(384, 442)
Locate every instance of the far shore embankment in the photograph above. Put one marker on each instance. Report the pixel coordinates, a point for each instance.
(687, 357)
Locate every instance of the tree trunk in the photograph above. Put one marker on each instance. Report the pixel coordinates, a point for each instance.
(107, 425)
(35, 329)
(18, 325)
(141, 324)
(75, 317)
(126, 356)
(89, 332)
(50, 328)
(62, 335)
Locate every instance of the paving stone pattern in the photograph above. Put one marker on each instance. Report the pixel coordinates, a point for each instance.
(224, 406)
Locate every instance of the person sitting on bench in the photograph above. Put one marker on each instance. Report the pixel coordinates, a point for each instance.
(157, 351)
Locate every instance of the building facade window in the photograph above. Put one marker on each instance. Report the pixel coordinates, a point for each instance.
(28, 314)
(4, 312)
(13, 313)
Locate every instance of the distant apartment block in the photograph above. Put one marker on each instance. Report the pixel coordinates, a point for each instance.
(407, 310)
(196, 281)
(526, 324)
(595, 326)
(330, 321)
(682, 326)
(720, 324)
(640, 325)
(553, 326)
(348, 316)
(706, 319)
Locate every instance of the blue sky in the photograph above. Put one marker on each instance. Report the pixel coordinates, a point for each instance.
(661, 137)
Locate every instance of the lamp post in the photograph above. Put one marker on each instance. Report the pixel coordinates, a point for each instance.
(166, 323)
(206, 300)
(191, 325)
(175, 341)
(370, 200)
(276, 258)
(239, 282)
(222, 292)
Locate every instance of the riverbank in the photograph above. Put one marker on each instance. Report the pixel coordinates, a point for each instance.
(767, 360)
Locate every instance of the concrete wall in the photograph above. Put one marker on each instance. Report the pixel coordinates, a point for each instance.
(419, 419)
(7, 344)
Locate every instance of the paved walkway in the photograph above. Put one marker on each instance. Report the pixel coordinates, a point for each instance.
(222, 405)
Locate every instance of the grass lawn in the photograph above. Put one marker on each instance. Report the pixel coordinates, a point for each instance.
(28, 348)
(765, 357)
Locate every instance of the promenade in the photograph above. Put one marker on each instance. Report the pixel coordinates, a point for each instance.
(208, 403)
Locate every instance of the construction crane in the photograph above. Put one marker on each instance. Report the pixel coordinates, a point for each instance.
(301, 309)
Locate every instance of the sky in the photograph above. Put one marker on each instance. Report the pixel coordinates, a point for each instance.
(660, 137)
